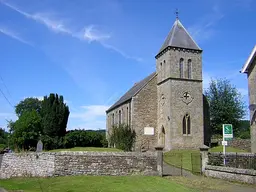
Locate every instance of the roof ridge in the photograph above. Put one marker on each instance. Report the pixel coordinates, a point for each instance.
(179, 37)
(188, 33)
(173, 28)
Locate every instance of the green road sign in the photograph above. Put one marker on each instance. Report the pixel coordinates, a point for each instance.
(227, 131)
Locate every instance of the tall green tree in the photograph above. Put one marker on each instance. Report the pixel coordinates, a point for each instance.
(226, 105)
(3, 138)
(26, 130)
(55, 115)
(28, 104)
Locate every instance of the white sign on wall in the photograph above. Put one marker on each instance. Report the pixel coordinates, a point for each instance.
(148, 130)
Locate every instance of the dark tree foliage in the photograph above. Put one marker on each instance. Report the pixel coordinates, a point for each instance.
(3, 139)
(28, 104)
(85, 138)
(244, 129)
(122, 137)
(226, 105)
(55, 115)
(26, 130)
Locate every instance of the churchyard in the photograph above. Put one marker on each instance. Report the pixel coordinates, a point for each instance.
(158, 137)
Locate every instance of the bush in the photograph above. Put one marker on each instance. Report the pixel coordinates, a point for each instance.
(50, 143)
(83, 138)
(122, 137)
(245, 135)
(2, 147)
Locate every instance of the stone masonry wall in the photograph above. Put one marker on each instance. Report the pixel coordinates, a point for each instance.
(236, 160)
(27, 165)
(231, 174)
(244, 144)
(144, 114)
(105, 163)
(78, 163)
(172, 106)
(252, 100)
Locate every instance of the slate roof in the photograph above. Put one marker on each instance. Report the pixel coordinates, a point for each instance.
(179, 37)
(132, 92)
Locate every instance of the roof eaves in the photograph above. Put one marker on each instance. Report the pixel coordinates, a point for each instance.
(175, 47)
(112, 108)
(249, 61)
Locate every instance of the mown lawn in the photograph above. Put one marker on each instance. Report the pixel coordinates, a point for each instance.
(182, 157)
(95, 184)
(87, 149)
(228, 149)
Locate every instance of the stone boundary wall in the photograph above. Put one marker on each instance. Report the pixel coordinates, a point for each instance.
(231, 174)
(243, 144)
(236, 160)
(27, 165)
(48, 164)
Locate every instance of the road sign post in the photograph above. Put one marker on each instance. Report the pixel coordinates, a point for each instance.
(227, 135)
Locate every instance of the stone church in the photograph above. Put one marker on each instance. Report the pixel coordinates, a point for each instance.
(168, 107)
(249, 68)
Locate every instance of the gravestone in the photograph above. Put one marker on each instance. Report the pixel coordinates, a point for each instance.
(39, 147)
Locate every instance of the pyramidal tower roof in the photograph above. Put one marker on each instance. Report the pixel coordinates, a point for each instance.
(180, 38)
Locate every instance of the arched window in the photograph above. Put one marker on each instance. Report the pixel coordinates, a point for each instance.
(127, 116)
(189, 68)
(162, 136)
(113, 119)
(181, 67)
(119, 117)
(122, 116)
(186, 125)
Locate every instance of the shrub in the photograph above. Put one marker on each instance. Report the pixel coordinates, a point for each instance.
(122, 137)
(245, 135)
(85, 138)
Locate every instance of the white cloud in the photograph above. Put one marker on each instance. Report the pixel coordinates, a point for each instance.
(90, 112)
(92, 34)
(88, 117)
(204, 28)
(13, 35)
(40, 98)
(43, 18)
(89, 33)
(52, 24)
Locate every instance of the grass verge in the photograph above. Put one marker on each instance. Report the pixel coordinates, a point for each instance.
(228, 149)
(180, 158)
(95, 184)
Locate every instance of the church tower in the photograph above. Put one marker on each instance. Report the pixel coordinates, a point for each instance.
(179, 91)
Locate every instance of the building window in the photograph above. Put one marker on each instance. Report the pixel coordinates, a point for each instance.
(122, 116)
(119, 116)
(186, 125)
(189, 68)
(113, 119)
(127, 116)
(181, 67)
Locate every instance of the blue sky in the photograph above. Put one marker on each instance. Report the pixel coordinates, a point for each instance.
(93, 51)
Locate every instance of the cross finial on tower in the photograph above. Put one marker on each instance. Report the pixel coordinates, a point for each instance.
(177, 14)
